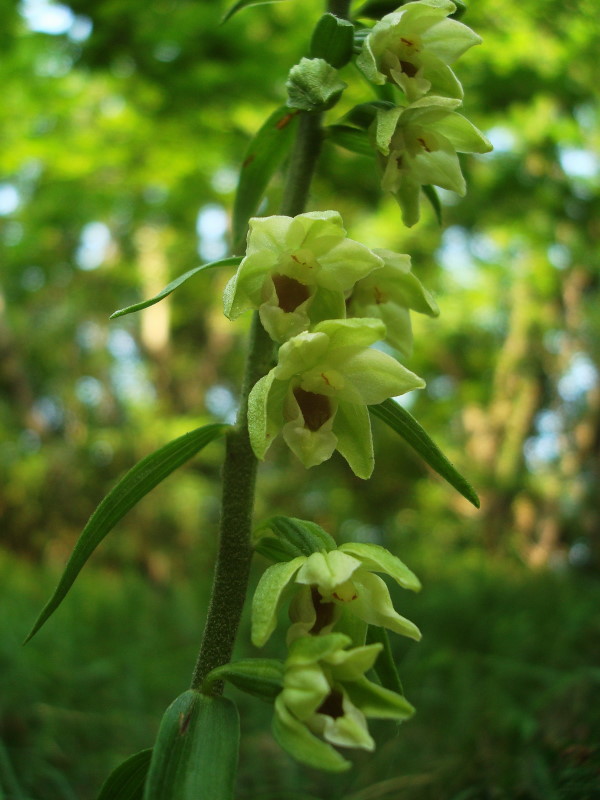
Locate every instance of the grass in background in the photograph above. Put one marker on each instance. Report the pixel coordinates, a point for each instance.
(505, 683)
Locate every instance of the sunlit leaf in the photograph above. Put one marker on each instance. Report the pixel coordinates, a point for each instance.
(140, 480)
(265, 153)
(352, 139)
(126, 782)
(412, 432)
(196, 750)
(244, 4)
(333, 40)
(233, 261)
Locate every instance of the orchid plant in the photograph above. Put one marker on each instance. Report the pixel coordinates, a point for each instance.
(331, 328)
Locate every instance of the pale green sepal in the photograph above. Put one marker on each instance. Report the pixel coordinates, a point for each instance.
(265, 412)
(373, 374)
(327, 570)
(347, 334)
(300, 743)
(408, 196)
(355, 441)
(305, 688)
(268, 596)
(311, 649)
(377, 559)
(407, 288)
(350, 665)
(463, 135)
(386, 123)
(374, 605)
(377, 702)
(313, 85)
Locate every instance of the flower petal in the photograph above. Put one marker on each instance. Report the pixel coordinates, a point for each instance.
(327, 570)
(374, 606)
(377, 702)
(267, 597)
(375, 376)
(377, 559)
(352, 427)
(295, 737)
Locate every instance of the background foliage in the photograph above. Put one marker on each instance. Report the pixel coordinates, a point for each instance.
(123, 125)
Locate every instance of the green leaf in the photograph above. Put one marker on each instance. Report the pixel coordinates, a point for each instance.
(333, 40)
(261, 677)
(147, 474)
(433, 197)
(304, 537)
(385, 666)
(243, 4)
(233, 261)
(127, 781)
(352, 139)
(313, 85)
(196, 750)
(411, 431)
(375, 9)
(265, 153)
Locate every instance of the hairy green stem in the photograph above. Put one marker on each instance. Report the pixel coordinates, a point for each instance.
(239, 470)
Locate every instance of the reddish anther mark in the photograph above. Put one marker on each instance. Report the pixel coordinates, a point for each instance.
(407, 42)
(325, 378)
(285, 120)
(379, 296)
(184, 722)
(423, 143)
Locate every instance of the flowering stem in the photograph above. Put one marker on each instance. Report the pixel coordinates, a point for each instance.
(239, 470)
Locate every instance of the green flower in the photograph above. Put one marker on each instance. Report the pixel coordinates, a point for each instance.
(318, 393)
(389, 293)
(413, 46)
(325, 694)
(419, 145)
(297, 271)
(328, 584)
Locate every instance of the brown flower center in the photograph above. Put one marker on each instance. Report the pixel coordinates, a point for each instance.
(290, 292)
(323, 610)
(315, 408)
(332, 705)
(408, 68)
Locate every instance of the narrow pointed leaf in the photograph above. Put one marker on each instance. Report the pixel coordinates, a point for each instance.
(352, 139)
(233, 261)
(196, 750)
(265, 153)
(127, 781)
(414, 434)
(261, 677)
(147, 474)
(385, 666)
(243, 4)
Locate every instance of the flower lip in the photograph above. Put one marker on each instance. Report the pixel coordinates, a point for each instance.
(315, 408)
(332, 706)
(290, 292)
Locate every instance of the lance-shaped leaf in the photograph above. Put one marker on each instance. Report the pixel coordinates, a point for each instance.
(261, 677)
(265, 153)
(233, 261)
(385, 666)
(196, 750)
(127, 781)
(353, 139)
(140, 480)
(300, 536)
(244, 4)
(413, 433)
